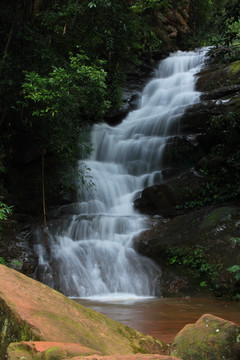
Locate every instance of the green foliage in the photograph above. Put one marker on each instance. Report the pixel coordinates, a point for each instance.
(224, 180)
(2, 261)
(58, 99)
(235, 270)
(141, 6)
(67, 90)
(225, 54)
(196, 261)
(224, 21)
(230, 21)
(56, 102)
(16, 263)
(221, 169)
(5, 211)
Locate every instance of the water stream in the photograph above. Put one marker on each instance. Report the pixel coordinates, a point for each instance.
(91, 251)
(163, 318)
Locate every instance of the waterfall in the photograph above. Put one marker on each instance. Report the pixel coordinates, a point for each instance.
(92, 251)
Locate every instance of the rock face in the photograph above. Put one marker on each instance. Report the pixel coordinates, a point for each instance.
(205, 238)
(31, 311)
(198, 159)
(16, 244)
(163, 199)
(209, 338)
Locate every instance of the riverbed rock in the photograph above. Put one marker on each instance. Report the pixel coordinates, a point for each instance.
(31, 311)
(209, 338)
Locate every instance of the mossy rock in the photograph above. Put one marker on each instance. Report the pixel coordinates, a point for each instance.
(26, 351)
(30, 310)
(130, 357)
(43, 350)
(235, 67)
(209, 338)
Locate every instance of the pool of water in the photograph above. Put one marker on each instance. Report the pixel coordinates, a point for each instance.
(162, 318)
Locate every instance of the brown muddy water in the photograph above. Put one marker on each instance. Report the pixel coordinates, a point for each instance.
(163, 318)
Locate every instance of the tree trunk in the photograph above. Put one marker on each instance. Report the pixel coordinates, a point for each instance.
(44, 203)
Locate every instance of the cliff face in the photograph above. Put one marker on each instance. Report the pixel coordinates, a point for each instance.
(174, 27)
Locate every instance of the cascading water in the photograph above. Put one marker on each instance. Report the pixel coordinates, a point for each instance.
(92, 252)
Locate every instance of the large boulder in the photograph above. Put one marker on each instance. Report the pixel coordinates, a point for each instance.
(31, 311)
(209, 338)
(166, 199)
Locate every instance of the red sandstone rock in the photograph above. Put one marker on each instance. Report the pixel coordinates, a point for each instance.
(61, 351)
(31, 311)
(128, 357)
(45, 349)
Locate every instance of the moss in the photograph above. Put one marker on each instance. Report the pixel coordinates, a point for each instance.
(235, 67)
(210, 338)
(17, 351)
(13, 329)
(53, 353)
(216, 216)
(63, 320)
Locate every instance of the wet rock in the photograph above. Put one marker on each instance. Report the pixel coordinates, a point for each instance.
(157, 199)
(136, 79)
(218, 78)
(209, 338)
(223, 93)
(215, 230)
(210, 162)
(16, 244)
(164, 199)
(130, 99)
(195, 119)
(31, 311)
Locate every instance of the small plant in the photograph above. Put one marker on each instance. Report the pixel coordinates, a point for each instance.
(235, 270)
(225, 54)
(16, 262)
(2, 261)
(235, 242)
(196, 261)
(5, 210)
